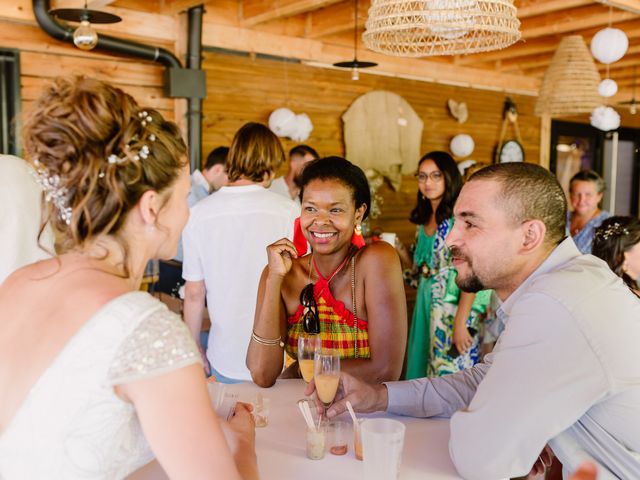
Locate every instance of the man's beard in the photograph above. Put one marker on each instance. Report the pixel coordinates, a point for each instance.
(472, 283)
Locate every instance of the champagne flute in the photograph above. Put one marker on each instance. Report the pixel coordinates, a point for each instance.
(307, 346)
(326, 376)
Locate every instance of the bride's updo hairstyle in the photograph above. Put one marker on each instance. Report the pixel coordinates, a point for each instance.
(96, 152)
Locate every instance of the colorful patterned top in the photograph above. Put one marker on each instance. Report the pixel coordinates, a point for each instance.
(337, 328)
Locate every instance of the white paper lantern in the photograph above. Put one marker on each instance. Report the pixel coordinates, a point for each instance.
(463, 165)
(605, 118)
(303, 128)
(282, 122)
(607, 88)
(462, 145)
(609, 45)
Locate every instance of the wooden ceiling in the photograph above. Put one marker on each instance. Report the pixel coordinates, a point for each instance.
(321, 32)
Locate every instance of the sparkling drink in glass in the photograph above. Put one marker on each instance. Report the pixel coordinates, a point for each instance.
(307, 346)
(326, 376)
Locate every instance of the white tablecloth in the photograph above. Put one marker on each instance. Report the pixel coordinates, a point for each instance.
(281, 445)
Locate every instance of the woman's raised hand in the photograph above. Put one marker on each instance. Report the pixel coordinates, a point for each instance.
(280, 255)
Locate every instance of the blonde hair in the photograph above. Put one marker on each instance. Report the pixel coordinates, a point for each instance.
(255, 151)
(77, 129)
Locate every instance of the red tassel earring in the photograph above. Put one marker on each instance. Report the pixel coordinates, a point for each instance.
(298, 239)
(357, 239)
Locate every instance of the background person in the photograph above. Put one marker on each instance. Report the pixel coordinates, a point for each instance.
(289, 184)
(586, 189)
(20, 216)
(617, 242)
(224, 249)
(358, 295)
(102, 388)
(509, 236)
(211, 178)
(444, 335)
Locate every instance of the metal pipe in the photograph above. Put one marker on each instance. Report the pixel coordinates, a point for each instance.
(194, 61)
(105, 42)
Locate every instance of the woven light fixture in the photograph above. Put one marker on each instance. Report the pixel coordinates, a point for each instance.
(421, 28)
(570, 84)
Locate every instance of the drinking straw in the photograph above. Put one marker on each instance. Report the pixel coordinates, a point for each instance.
(306, 414)
(352, 413)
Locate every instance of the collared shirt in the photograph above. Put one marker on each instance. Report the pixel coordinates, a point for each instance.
(199, 188)
(280, 186)
(584, 238)
(566, 370)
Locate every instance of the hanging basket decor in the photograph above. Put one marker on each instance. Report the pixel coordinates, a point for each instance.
(422, 28)
(570, 84)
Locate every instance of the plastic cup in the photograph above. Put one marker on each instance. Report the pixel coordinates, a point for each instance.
(382, 442)
(316, 442)
(338, 437)
(261, 411)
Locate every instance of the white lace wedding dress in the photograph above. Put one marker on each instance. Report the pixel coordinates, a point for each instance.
(72, 425)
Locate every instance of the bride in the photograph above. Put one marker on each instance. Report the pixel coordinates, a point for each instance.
(96, 377)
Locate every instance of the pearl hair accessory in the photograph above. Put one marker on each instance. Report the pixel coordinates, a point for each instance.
(143, 153)
(54, 193)
(612, 230)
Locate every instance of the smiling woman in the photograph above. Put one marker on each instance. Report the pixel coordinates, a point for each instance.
(356, 294)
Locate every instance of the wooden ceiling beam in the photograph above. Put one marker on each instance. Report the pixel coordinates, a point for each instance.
(261, 11)
(532, 8)
(336, 18)
(629, 5)
(571, 21)
(173, 7)
(318, 53)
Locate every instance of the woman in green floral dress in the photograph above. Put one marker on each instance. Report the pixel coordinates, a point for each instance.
(444, 331)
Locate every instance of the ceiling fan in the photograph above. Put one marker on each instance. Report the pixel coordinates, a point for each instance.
(633, 103)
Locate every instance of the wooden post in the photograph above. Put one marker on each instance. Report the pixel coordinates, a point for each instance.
(545, 140)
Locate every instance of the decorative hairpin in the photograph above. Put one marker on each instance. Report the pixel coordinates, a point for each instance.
(54, 193)
(143, 153)
(615, 229)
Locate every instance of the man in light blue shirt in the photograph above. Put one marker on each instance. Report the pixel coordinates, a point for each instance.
(565, 371)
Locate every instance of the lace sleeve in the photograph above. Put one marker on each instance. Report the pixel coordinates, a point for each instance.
(159, 344)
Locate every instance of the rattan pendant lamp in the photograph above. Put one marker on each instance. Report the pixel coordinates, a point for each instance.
(420, 28)
(570, 84)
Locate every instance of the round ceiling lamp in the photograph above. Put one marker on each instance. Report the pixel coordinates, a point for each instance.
(420, 28)
(85, 37)
(355, 65)
(607, 88)
(609, 45)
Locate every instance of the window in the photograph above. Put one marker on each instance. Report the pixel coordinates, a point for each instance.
(9, 101)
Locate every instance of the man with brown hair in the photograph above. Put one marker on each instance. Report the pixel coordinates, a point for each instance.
(565, 371)
(289, 184)
(225, 245)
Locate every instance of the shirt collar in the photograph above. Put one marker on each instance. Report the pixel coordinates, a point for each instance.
(198, 179)
(560, 255)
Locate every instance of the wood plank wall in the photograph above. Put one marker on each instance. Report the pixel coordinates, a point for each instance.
(242, 88)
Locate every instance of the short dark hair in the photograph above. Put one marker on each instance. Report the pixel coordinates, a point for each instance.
(529, 192)
(588, 176)
(345, 172)
(218, 156)
(303, 150)
(614, 237)
(452, 185)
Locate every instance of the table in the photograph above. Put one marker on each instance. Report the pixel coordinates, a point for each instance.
(281, 445)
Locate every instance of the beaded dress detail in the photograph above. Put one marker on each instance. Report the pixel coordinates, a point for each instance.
(72, 424)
